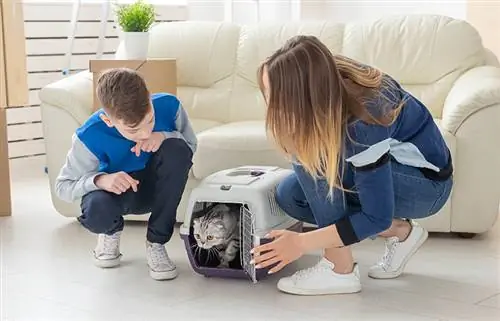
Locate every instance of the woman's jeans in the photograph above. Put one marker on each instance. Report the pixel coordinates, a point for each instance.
(307, 200)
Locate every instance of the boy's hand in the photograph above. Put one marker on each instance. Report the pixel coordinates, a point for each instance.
(116, 183)
(152, 144)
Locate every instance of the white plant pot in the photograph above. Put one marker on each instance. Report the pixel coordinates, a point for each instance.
(135, 45)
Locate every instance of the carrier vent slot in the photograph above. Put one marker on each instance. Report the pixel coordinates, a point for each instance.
(247, 232)
(273, 205)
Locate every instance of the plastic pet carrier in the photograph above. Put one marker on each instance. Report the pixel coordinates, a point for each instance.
(251, 191)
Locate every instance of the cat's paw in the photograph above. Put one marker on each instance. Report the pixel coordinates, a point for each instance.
(223, 265)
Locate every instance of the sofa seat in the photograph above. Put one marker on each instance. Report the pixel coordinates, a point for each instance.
(234, 144)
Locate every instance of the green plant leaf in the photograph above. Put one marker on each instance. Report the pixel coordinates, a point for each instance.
(135, 17)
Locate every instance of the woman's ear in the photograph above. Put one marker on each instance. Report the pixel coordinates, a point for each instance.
(106, 120)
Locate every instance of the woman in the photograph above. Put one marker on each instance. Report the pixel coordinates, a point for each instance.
(367, 158)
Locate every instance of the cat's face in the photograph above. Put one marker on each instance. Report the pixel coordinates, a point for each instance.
(209, 230)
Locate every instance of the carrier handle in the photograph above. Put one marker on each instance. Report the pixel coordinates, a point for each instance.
(247, 172)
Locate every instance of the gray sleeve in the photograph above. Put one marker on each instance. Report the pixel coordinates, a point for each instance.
(184, 129)
(76, 177)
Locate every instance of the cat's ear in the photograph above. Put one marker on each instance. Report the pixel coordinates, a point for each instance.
(196, 221)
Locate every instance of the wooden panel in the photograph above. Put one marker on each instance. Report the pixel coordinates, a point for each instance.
(21, 115)
(43, 79)
(24, 132)
(56, 63)
(34, 99)
(60, 11)
(60, 46)
(26, 148)
(44, 29)
(92, 11)
(3, 79)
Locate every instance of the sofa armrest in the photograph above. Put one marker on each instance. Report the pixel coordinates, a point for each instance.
(73, 94)
(476, 89)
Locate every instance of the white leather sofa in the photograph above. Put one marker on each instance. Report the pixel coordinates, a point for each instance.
(440, 60)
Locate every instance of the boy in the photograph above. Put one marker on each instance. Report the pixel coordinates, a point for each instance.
(132, 156)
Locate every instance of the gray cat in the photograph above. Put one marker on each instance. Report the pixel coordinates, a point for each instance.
(219, 231)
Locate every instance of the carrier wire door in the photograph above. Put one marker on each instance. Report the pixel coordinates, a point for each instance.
(247, 237)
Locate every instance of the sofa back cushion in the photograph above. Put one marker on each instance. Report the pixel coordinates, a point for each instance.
(426, 53)
(257, 43)
(206, 57)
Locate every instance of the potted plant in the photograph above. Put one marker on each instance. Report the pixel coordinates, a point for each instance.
(135, 20)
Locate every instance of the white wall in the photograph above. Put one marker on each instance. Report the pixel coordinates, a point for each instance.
(344, 11)
(245, 11)
(206, 10)
(248, 11)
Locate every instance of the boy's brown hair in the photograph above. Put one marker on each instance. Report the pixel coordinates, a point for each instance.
(124, 95)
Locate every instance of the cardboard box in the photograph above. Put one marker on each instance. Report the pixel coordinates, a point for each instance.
(5, 200)
(13, 75)
(160, 74)
(13, 85)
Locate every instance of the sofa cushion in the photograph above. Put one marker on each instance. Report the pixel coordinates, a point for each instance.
(205, 53)
(451, 47)
(200, 125)
(232, 145)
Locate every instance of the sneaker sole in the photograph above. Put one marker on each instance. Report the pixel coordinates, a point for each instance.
(398, 272)
(164, 275)
(332, 291)
(107, 264)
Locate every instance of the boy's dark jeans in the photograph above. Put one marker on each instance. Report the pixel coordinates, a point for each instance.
(160, 189)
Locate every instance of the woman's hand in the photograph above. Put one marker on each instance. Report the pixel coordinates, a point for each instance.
(285, 248)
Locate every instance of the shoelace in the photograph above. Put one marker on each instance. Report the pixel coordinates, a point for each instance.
(391, 245)
(110, 243)
(159, 254)
(306, 272)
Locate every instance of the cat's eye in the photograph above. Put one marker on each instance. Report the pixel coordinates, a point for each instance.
(197, 236)
(210, 237)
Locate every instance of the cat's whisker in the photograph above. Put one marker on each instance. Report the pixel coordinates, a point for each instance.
(209, 256)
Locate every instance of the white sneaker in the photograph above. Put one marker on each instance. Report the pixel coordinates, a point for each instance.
(397, 254)
(107, 252)
(320, 280)
(160, 265)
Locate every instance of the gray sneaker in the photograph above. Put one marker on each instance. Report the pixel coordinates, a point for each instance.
(107, 252)
(160, 266)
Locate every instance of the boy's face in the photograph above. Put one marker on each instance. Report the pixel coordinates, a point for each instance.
(137, 133)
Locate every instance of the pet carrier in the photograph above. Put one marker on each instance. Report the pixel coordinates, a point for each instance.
(252, 190)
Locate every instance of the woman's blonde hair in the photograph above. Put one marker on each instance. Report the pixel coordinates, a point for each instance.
(312, 96)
